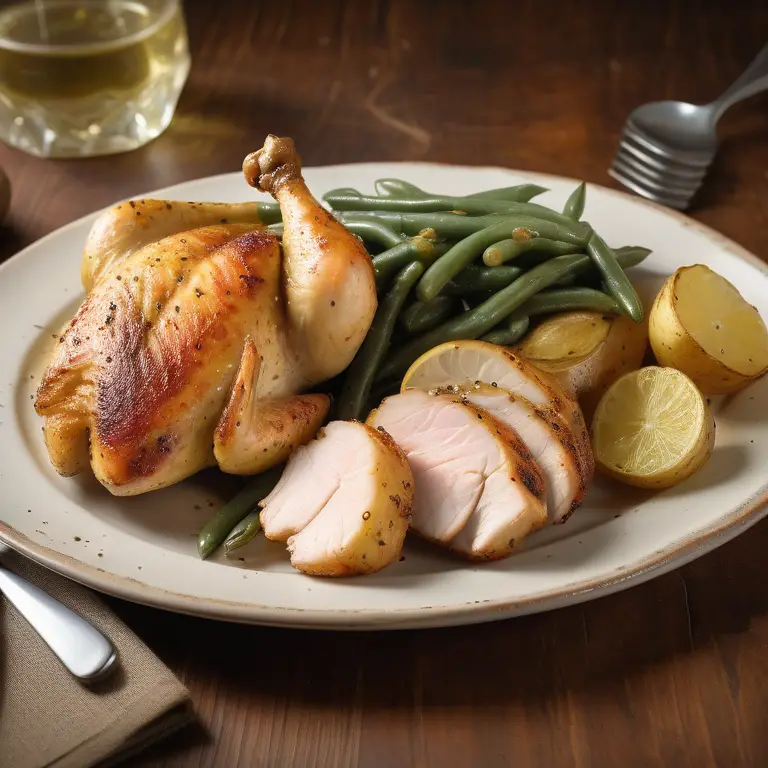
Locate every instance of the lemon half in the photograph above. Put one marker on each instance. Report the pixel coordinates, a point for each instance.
(652, 428)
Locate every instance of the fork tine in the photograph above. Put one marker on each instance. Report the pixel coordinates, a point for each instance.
(663, 182)
(680, 205)
(652, 185)
(693, 159)
(627, 144)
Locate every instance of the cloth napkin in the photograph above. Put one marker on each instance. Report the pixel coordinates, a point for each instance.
(48, 718)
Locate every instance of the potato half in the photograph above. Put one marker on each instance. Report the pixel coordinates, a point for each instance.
(701, 325)
(586, 352)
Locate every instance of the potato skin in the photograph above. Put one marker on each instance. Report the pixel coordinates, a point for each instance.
(674, 347)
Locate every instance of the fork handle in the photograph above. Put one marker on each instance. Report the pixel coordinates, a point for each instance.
(81, 648)
(753, 80)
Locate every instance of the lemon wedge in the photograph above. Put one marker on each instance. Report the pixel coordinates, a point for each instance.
(652, 428)
(701, 325)
(466, 363)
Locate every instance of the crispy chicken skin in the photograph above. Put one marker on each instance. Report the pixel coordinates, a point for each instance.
(197, 337)
(127, 227)
(329, 280)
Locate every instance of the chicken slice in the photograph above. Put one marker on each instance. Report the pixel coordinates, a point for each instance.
(550, 442)
(343, 502)
(256, 433)
(128, 227)
(472, 362)
(329, 280)
(478, 490)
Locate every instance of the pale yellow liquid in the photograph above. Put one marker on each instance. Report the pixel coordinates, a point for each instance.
(89, 77)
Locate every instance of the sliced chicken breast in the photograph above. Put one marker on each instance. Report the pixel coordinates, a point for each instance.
(478, 490)
(551, 443)
(462, 364)
(343, 503)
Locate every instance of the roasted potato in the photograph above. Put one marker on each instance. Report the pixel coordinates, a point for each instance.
(586, 352)
(701, 325)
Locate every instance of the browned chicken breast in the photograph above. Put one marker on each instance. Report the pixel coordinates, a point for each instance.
(196, 339)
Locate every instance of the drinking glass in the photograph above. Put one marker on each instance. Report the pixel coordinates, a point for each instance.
(89, 77)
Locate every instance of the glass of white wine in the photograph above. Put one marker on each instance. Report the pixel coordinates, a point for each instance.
(89, 77)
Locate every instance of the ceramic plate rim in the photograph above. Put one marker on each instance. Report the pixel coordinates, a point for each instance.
(747, 513)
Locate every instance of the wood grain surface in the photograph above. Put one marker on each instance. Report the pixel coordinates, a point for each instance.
(670, 673)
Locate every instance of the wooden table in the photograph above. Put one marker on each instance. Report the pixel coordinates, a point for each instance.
(673, 672)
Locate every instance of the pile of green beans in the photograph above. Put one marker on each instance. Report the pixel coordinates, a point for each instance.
(488, 263)
(472, 266)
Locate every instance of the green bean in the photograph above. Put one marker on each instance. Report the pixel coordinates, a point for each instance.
(469, 205)
(420, 316)
(269, 213)
(398, 188)
(362, 372)
(476, 322)
(530, 259)
(520, 193)
(450, 226)
(574, 205)
(617, 282)
(458, 257)
(566, 282)
(567, 300)
(387, 263)
(276, 229)
(506, 250)
(508, 333)
(631, 255)
(373, 232)
(628, 256)
(475, 279)
(346, 191)
(218, 527)
(243, 532)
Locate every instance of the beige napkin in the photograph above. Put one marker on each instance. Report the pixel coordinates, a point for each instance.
(47, 718)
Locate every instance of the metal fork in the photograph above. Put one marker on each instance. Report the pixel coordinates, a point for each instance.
(666, 147)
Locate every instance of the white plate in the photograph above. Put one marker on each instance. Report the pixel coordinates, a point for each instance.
(143, 548)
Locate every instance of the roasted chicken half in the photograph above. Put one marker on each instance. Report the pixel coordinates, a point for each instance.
(199, 333)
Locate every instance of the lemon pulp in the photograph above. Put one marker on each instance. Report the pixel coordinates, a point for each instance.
(653, 422)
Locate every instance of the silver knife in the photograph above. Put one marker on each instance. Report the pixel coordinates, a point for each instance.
(81, 648)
